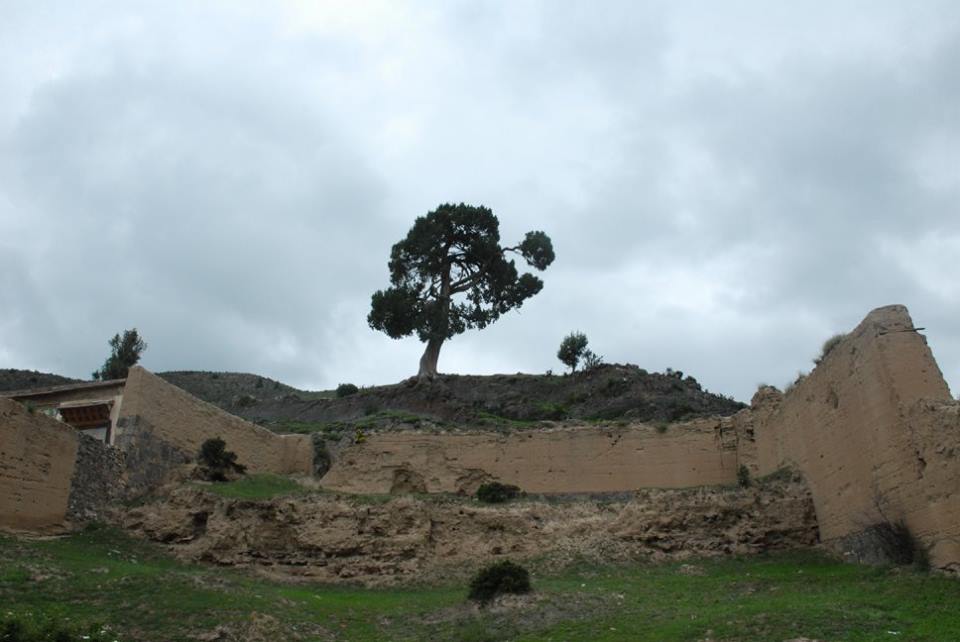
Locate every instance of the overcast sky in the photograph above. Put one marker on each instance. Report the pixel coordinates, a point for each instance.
(726, 184)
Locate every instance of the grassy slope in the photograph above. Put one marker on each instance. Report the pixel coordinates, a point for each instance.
(103, 576)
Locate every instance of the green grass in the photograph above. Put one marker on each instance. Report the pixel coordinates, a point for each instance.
(262, 486)
(102, 576)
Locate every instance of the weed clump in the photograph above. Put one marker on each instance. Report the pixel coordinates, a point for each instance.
(497, 493)
(829, 345)
(499, 579)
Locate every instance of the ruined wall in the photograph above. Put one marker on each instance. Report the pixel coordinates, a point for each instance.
(37, 456)
(161, 424)
(873, 429)
(586, 458)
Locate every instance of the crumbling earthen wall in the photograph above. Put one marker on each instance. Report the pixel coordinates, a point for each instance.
(180, 422)
(585, 458)
(875, 432)
(37, 456)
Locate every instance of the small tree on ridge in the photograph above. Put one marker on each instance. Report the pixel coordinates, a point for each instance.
(572, 349)
(125, 352)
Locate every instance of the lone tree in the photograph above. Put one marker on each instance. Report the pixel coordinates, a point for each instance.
(572, 349)
(124, 352)
(450, 274)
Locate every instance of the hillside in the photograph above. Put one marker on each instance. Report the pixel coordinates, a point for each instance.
(610, 392)
(13, 379)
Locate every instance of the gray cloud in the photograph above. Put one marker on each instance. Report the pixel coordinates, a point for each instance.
(725, 188)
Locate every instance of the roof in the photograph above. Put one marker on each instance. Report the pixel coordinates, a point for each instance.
(70, 387)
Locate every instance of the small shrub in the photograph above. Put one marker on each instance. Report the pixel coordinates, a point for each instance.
(828, 346)
(497, 493)
(743, 476)
(499, 579)
(346, 389)
(591, 361)
(321, 455)
(661, 427)
(216, 462)
(899, 545)
(245, 401)
(548, 410)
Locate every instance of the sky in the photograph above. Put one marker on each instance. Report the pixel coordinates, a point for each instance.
(726, 184)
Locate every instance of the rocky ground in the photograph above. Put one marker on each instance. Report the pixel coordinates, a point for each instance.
(338, 538)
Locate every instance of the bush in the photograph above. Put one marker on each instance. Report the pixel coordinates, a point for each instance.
(591, 360)
(321, 455)
(899, 545)
(346, 389)
(499, 579)
(216, 462)
(743, 476)
(497, 493)
(548, 410)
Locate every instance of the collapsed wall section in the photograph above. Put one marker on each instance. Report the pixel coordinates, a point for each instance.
(874, 431)
(37, 456)
(586, 458)
(162, 427)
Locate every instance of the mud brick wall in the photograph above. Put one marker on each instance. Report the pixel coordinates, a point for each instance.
(875, 432)
(181, 423)
(37, 456)
(564, 460)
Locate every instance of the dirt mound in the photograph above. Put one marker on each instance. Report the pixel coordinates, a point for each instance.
(12, 379)
(608, 392)
(340, 538)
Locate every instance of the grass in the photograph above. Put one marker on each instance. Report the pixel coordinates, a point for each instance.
(102, 576)
(262, 486)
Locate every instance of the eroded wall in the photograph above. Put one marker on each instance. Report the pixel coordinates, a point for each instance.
(585, 458)
(875, 432)
(160, 423)
(37, 456)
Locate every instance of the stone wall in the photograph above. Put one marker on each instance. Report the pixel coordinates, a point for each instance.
(178, 423)
(98, 480)
(37, 456)
(586, 458)
(875, 432)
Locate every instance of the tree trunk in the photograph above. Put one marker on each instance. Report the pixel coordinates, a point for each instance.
(428, 362)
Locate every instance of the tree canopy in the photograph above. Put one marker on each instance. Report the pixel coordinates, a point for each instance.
(450, 274)
(124, 352)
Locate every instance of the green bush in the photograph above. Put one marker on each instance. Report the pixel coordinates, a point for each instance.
(743, 476)
(548, 410)
(346, 389)
(216, 462)
(499, 579)
(497, 493)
